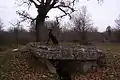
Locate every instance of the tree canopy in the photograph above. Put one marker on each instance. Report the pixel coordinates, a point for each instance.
(43, 7)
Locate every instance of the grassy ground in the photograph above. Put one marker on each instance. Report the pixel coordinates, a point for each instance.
(17, 66)
(114, 48)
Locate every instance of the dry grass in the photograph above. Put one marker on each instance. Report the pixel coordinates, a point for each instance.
(113, 47)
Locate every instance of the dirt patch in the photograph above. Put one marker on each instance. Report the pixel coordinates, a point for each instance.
(22, 66)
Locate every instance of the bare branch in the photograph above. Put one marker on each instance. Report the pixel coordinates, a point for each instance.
(53, 3)
(73, 2)
(72, 9)
(82, 20)
(59, 7)
(28, 3)
(39, 1)
(42, 2)
(64, 12)
(48, 2)
(24, 15)
(117, 21)
(36, 5)
(17, 24)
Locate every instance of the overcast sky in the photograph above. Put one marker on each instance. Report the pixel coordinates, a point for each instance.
(102, 15)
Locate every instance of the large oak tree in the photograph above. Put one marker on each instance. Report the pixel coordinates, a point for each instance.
(43, 7)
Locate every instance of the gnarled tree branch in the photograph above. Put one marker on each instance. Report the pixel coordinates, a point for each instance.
(48, 2)
(39, 1)
(36, 5)
(24, 15)
(73, 2)
(53, 3)
(72, 9)
(64, 12)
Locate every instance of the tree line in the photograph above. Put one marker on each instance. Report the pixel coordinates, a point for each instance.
(82, 29)
(16, 34)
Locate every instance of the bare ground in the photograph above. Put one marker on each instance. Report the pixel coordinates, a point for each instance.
(19, 66)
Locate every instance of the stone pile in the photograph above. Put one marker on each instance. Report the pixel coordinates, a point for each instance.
(68, 52)
(64, 56)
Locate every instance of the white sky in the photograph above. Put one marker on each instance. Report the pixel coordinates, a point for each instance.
(102, 15)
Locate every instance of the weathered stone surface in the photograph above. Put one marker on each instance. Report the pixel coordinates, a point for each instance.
(70, 58)
(70, 52)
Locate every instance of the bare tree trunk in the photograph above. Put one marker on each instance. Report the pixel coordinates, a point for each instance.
(37, 32)
(17, 37)
(83, 38)
(39, 26)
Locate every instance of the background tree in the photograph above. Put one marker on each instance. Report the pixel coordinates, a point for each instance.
(32, 29)
(16, 29)
(109, 31)
(117, 28)
(1, 32)
(1, 25)
(93, 29)
(82, 22)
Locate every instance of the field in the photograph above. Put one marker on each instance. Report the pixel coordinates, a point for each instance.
(17, 66)
(114, 48)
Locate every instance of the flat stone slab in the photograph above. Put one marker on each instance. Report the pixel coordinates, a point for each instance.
(66, 55)
(68, 52)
